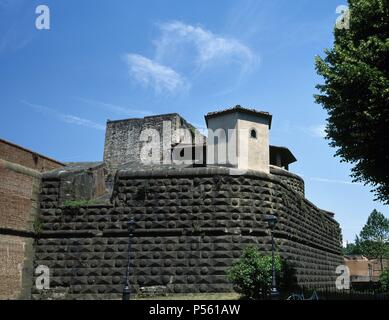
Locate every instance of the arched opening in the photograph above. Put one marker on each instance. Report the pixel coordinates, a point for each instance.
(253, 134)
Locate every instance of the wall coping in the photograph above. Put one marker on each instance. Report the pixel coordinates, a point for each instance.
(30, 151)
(282, 172)
(20, 169)
(72, 168)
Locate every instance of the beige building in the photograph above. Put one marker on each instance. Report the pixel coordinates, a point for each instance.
(364, 270)
(239, 138)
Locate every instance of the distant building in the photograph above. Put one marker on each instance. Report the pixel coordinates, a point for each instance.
(363, 270)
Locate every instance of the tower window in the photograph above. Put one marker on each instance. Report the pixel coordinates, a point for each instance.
(253, 134)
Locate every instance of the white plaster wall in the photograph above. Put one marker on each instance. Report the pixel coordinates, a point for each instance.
(225, 122)
(253, 154)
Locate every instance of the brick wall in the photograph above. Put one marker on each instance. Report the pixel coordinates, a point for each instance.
(19, 155)
(19, 192)
(15, 266)
(15, 199)
(20, 176)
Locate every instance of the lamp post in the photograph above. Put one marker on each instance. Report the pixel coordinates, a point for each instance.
(126, 289)
(271, 222)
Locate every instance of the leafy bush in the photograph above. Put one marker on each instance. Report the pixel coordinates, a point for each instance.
(252, 273)
(384, 280)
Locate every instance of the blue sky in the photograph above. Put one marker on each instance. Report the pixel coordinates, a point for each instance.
(118, 59)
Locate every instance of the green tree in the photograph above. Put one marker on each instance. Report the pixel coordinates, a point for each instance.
(355, 93)
(384, 280)
(374, 237)
(353, 248)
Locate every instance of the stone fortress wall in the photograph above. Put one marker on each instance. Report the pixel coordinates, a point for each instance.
(123, 142)
(191, 222)
(292, 180)
(190, 225)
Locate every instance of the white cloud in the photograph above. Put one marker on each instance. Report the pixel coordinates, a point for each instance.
(151, 73)
(67, 118)
(185, 49)
(15, 29)
(6, 4)
(325, 180)
(114, 108)
(209, 47)
(318, 131)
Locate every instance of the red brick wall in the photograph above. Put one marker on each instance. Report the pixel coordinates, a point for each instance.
(16, 154)
(19, 190)
(14, 266)
(16, 198)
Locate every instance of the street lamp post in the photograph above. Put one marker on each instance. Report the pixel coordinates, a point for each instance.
(271, 222)
(126, 289)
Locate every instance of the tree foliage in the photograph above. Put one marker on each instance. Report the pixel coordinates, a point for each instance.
(356, 93)
(374, 237)
(384, 280)
(353, 248)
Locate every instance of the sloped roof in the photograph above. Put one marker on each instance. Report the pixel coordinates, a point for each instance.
(241, 109)
(287, 156)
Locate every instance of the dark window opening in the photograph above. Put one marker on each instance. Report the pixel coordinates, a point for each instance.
(253, 134)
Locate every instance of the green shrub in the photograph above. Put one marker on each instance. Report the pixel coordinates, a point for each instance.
(384, 280)
(252, 273)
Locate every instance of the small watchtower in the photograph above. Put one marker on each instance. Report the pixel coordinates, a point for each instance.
(249, 128)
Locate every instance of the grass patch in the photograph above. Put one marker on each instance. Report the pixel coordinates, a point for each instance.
(195, 296)
(38, 225)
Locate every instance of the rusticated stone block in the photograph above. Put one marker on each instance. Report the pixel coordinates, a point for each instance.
(188, 230)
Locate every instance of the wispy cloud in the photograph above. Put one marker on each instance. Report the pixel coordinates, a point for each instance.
(121, 110)
(10, 4)
(152, 74)
(67, 118)
(325, 180)
(209, 47)
(16, 31)
(315, 131)
(183, 49)
(318, 131)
